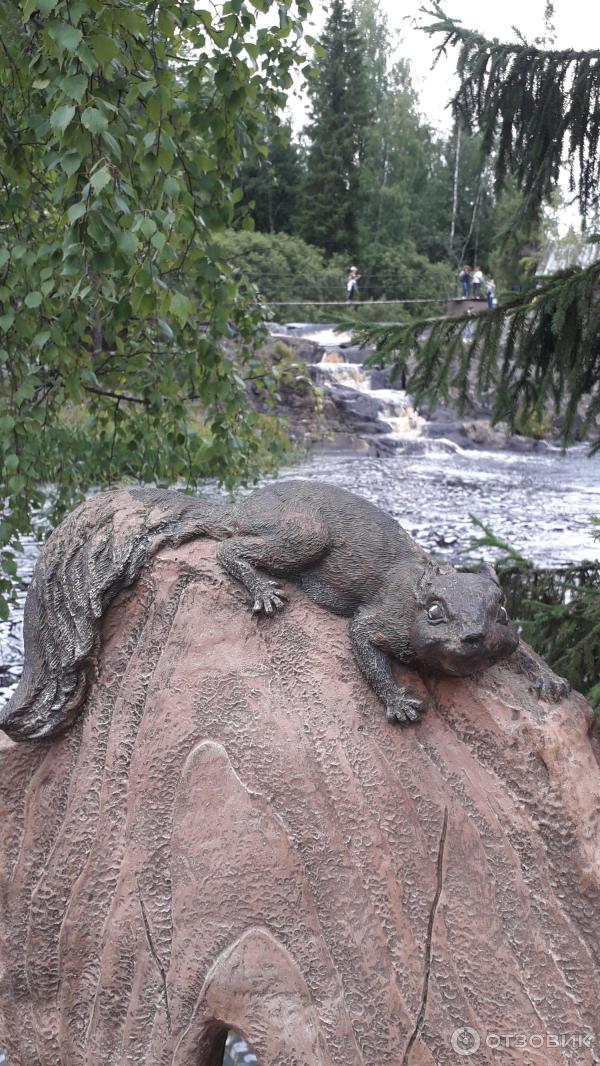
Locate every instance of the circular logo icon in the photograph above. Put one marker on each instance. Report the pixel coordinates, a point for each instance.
(465, 1041)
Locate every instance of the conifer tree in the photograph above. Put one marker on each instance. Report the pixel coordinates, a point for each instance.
(533, 107)
(406, 180)
(336, 136)
(271, 183)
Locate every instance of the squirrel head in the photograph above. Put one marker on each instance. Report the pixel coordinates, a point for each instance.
(460, 624)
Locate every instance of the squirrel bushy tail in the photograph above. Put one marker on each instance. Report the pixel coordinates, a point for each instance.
(98, 550)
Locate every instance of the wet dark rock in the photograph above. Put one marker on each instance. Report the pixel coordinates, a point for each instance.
(385, 446)
(381, 378)
(302, 349)
(439, 413)
(354, 354)
(356, 406)
(373, 427)
(338, 443)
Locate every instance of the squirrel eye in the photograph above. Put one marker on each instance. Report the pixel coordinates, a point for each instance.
(502, 616)
(436, 613)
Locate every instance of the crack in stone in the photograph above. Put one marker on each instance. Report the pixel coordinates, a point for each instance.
(429, 941)
(155, 957)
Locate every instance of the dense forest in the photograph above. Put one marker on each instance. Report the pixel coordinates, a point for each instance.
(369, 182)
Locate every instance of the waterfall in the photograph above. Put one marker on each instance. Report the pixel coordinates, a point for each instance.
(394, 406)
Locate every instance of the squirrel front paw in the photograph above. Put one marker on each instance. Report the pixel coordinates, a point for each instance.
(551, 688)
(404, 708)
(268, 597)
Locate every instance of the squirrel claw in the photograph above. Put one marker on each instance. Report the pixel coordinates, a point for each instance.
(404, 709)
(278, 593)
(268, 599)
(551, 688)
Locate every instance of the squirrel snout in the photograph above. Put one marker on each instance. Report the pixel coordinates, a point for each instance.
(474, 640)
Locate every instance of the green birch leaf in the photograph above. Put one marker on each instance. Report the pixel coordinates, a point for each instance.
(181, 307)
(94, 120)
(46, 6)
(74, 86)
(76, 211)
(103, 47)
(147, 227)
(113, 144)
(43, 6)
(165, 329)
(66, 35)
(158, 240)
(128, 243)
(71, 161)
(132, 21)
(62, 117)
(100, 179)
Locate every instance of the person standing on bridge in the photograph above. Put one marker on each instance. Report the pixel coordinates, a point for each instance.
(477, 282)
(352, 285)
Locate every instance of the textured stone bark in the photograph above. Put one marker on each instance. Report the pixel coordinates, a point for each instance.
(232, 835)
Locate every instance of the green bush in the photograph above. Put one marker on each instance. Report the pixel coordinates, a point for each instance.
(403, 274)
(284, 267)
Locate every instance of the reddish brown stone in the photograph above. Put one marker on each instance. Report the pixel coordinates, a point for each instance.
(232, 835)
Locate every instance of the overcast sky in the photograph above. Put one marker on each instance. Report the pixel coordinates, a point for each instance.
(577, 25)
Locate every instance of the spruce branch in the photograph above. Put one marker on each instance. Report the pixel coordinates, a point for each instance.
(536, 352)
(488, 539)
(537, 107)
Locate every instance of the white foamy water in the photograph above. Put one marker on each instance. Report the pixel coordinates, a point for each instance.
(395, 405)
(327, 336)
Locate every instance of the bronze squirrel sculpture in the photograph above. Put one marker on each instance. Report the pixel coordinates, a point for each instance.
(346, 555)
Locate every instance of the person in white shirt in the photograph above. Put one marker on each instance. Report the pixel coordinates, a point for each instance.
(352, 284)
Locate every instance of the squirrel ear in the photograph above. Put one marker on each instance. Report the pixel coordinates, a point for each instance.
(429, 572)
(489, 571)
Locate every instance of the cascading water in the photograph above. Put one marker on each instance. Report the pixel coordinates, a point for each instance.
(395, 406)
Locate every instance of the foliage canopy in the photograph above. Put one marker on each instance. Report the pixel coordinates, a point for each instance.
(122, 126)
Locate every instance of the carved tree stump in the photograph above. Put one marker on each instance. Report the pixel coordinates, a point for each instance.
(233, 835)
